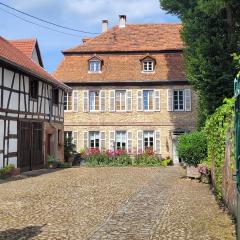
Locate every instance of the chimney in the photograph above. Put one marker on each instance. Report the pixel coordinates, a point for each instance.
(122, 21)
(104, 25)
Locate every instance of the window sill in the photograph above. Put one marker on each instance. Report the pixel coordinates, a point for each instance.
(94, 72)
(148, 72)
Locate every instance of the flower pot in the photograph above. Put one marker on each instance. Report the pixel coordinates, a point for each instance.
(15, 172)
(192, 172)
(205, 178)
(52, 165)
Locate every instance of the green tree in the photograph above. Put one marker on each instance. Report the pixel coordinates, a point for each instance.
(211, 33)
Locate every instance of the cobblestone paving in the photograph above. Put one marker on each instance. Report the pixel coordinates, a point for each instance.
(111, 203)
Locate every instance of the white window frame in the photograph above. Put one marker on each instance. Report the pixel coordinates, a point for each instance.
(94, 101)
(67, 100)
(173, 101)
(148, 64)
(95, 134)
(149, 90)
(123, 139)
(94, 62)
(125, 100)
(150, 134)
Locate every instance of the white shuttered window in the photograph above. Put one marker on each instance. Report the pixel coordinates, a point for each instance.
(85, 101)
(102, 101)
(112, 140)
(129, 100)
(169, 100)
(188, 100)
(75, 101)
(103, 140)
(140, 141)
(112, 101)
(157, 142)
(157, 101)
(140, 100)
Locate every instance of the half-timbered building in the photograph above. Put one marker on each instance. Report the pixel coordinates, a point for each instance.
(31, 110)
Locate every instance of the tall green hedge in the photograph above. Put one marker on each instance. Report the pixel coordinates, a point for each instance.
(216, 130)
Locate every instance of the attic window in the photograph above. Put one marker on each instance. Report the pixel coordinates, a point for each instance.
(148, 66)
(95, 66)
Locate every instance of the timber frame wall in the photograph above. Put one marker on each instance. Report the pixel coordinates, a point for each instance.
(16, 105)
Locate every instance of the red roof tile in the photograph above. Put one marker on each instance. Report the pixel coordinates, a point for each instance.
(25, 45)
(139, 37)
(10, 54)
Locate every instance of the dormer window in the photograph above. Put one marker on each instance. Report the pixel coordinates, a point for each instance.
(148, 64)
(95, 65)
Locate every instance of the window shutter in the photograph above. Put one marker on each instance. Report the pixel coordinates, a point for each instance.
(85, 140)
(85, 101)
(140, 141)
(129, 142)
(188, 100)
(102, 101)
(140, 100)
(157, 100)
(112, 101)
(129, 100)
(170, 100)
(157, 142)
(103, 140)
(75, 140)
(75, 101)
(111, 140)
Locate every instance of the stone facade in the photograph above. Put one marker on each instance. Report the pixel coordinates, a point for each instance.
(163, 121)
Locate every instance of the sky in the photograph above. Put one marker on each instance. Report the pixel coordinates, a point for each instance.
(85, 15)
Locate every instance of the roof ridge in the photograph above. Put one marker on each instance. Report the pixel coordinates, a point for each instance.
(23, 39)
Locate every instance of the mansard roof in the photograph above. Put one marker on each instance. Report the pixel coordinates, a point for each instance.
(27, 46)
(16, 58)
(134, 38)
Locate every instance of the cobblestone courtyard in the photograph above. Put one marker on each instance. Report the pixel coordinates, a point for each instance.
(111, 203)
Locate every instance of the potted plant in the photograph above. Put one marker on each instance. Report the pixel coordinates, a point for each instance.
(205, 173)
(69, 150)
(52, 163)
(9, 171)
(192, 148)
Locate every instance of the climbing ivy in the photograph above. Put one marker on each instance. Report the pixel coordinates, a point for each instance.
(216, 129)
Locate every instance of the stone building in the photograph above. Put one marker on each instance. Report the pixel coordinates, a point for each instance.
(31, 107)
(129, 89)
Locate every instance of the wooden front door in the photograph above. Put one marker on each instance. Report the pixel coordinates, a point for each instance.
(30, 141)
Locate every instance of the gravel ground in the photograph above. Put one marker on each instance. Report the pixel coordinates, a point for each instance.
(111, 203)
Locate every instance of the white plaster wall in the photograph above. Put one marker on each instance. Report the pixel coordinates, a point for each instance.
(13, 127)
(13, 145)
(13, 161)
(35, 56)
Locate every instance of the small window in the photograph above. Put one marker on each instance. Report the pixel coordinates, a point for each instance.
(148, 139)
(68, 137)
(94, 101)
(68, 102)
(55, 96)
(178, 100)
(148, 66)
(148, 100)
(94, 139)
(94, 66)
(120, 100)
(121, 140)
(33, 89)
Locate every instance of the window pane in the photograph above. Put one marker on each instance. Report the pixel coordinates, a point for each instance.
(91, 101)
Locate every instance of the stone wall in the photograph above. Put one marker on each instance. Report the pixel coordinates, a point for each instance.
(229, 189)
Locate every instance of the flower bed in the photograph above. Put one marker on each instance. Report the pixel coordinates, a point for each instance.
(95, 157)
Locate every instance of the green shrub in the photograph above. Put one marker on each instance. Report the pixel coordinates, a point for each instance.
(147, 158)
(5, 172)
(192, 148)
(216, 129)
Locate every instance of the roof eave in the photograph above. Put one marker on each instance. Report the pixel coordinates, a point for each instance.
(33, 74)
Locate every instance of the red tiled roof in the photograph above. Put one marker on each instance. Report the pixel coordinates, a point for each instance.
(139, 37)
(25, 45)
(10, 54)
